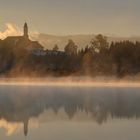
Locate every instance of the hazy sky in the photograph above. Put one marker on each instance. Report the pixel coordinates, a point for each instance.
(117, 17)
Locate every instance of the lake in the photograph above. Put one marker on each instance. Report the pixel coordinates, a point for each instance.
(69, 113)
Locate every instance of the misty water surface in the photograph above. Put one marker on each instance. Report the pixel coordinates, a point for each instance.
(69, 113)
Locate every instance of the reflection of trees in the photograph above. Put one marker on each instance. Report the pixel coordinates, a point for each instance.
(16, 106)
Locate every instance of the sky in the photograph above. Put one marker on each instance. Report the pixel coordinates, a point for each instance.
(66, 17)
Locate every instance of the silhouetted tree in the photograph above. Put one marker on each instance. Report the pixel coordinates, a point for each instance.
(55, 48)
(71, 48)
(99, 43)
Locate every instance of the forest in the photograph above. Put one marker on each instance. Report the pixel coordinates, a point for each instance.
(99, 58)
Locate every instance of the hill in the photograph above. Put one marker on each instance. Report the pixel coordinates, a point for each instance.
(48, 41)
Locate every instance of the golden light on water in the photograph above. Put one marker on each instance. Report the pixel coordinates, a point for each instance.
(10, 128)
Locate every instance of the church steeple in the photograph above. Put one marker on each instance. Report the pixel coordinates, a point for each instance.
(25, 30)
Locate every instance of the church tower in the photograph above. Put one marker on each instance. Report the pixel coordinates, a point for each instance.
(25, 30)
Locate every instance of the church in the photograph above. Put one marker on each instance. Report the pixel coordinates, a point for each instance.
(32, 47)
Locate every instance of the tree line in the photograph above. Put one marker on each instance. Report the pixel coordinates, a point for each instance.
(99, 58)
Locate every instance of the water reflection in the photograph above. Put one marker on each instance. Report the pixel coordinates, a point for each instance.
(18, 104)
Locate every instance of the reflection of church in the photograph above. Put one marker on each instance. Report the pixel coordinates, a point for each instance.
(24, 42)
(25, 123)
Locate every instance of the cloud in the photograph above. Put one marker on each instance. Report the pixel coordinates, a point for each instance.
(11, 30)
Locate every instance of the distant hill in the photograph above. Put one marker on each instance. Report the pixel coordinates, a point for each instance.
(48, 41)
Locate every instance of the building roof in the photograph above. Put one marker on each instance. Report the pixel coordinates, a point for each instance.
(22, 41)
(36, 44)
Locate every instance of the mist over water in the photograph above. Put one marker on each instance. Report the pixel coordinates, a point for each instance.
(70, 81)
